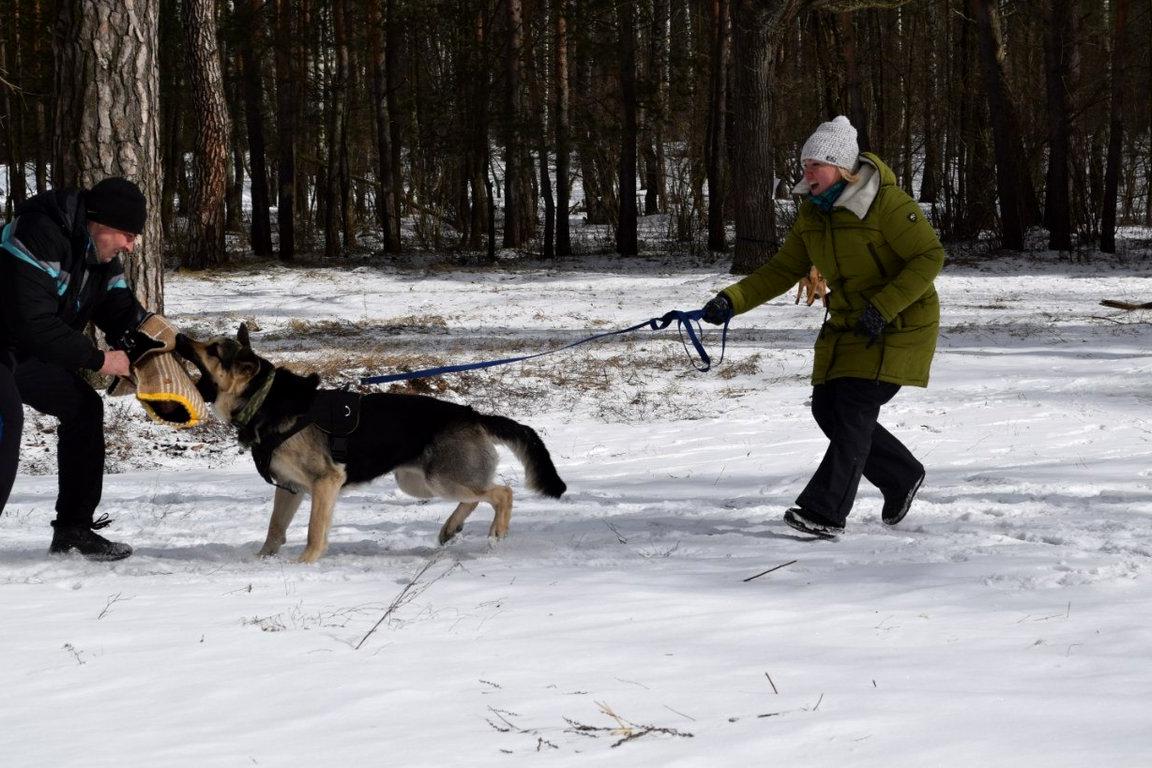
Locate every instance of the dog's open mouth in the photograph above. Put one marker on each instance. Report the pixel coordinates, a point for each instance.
(205, 384)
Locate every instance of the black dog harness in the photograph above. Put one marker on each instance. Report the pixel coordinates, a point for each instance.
(335, 412)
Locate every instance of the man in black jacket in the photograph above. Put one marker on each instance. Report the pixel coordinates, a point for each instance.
(60, 269)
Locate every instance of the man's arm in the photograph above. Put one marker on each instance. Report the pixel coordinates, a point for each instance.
(30, 291)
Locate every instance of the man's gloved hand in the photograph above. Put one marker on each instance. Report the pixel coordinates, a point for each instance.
(870, 324)
(136, 344)
(718, 310)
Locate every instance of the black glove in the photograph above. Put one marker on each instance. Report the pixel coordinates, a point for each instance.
(718, 311)
(136, 344)
(871, 324)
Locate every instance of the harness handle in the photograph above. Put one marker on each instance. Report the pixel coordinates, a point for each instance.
(684, 320)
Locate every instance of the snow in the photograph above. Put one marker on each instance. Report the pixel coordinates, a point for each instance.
(1003, 623)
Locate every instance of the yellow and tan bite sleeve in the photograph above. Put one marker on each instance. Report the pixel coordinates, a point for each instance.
(162, 385)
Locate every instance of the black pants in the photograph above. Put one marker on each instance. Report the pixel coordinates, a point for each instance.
(60, 392)
(11, 427)
(847, 410)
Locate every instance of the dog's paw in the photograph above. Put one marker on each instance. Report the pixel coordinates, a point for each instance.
(447, 534)
(310, 555)
(497, 531)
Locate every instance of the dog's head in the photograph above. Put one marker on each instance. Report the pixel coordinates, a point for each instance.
(227, 367)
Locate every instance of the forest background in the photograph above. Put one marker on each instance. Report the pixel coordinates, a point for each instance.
(372, 127)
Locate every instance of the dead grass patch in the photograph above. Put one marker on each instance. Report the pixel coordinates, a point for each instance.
(749, 366)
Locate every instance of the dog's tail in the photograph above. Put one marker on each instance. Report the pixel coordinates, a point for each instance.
(540, 472)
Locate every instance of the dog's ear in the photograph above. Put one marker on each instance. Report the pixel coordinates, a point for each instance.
(242, 335)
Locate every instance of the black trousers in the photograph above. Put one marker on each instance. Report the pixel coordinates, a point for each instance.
(59, 392)
(11, 427)
(847, 410)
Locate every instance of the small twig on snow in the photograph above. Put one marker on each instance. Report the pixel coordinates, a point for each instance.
(778, 567)
(771, 683)
(627, 730)
(112, 600)
(411, 591)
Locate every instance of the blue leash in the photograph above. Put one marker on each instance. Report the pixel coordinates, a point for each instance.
(684, 320)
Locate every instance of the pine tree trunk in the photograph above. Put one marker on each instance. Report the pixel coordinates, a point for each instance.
(338, 236)
(286, 120)
(519, 213)
(385, 189)
(1115, 126)
(251, 42)
(1057, 49)
(1006, 139)
(929, 181)
(107, 115)
(13, 122)
(753, 196)
(626, 243)
(540, 60)
(563, 129)
(716, 140)
(392, 65)
(205, 247)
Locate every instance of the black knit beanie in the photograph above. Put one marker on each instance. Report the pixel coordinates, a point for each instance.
(117, 203)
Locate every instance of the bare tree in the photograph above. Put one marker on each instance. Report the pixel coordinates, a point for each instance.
(753, 192)
(626, 244)
(205, 246)
(107, 115)
(381, 97)
(1115, 124)
(287, 118)
(1057, 50)
(519, 212)
(1013, 185)
(251, 43)
(338, 211)
(716, 139)
(563, 129)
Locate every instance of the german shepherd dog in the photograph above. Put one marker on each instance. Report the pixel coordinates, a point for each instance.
(436, 449)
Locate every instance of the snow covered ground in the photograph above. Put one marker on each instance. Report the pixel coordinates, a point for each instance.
(1004, 623)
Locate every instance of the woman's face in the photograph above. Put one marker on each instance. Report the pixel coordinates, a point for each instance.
(820, 176)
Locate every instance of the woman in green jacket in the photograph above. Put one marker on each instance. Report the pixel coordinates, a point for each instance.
(870, 241)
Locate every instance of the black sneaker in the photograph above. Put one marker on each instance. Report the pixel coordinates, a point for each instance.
(803, 522)
(86, 541)
(895, 509)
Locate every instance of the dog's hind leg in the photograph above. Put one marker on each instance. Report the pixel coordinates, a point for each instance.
(500, 497)
(284, 506)
(455, 522)
(324, 494)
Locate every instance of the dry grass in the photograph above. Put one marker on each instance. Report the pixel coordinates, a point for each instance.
(749, 366)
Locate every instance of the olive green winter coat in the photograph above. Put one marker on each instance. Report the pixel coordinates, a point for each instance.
(874, 247)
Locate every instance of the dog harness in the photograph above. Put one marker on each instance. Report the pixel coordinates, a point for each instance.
(334, 412)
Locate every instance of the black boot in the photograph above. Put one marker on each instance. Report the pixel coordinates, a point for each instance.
(805, 522)
(896, 508)
(84, 539)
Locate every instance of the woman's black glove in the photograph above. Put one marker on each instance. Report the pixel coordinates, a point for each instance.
(871, 324)
(718, 311)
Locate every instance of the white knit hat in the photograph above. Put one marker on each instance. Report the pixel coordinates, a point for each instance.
(834, 143)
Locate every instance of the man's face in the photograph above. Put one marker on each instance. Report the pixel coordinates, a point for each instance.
(820, 176)
(109, 242)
